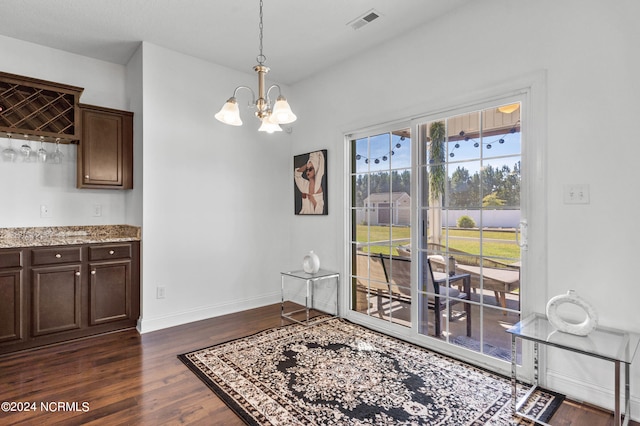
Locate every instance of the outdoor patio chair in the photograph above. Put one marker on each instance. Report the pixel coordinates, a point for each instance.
(375, 281)
(438, 292)
(390, 277)
(397, 271)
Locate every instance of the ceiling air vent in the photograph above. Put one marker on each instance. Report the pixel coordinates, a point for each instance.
(363, 20)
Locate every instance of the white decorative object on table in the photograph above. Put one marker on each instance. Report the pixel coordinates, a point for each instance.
(579, 329)
(311, 263)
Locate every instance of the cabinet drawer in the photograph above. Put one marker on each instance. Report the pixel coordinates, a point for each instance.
(10, 259)
(118, 251)
(53, 256)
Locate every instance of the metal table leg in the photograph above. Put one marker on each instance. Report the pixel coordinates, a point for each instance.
(627, 395)
(514, 378)
(517, 405)
(281, 295)
(308, 297)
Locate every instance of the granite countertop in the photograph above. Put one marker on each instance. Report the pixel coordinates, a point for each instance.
(66, 235)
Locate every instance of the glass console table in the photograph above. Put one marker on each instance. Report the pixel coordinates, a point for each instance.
(613, 345)
(311, 281)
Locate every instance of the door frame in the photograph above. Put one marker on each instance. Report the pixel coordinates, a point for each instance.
(531, 90)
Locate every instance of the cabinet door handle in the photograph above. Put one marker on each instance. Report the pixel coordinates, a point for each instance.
(58, 255)
(86, 176)
(93, 272)
(111, 252)
(77, 273)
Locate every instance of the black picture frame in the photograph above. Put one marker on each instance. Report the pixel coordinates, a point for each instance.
(314, 202)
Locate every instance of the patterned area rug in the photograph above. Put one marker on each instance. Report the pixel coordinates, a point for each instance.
(336, 372)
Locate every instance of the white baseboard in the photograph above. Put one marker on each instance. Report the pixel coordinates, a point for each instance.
(146, 325)
(590, 392)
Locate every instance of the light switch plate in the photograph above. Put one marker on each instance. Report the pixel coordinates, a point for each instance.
(576, 193)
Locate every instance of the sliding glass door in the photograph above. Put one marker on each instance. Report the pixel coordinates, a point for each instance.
(381, 225)
(468, 251)
(435, 226)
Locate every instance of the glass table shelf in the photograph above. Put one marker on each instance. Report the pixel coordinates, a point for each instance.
(617, 346)
(310, 280)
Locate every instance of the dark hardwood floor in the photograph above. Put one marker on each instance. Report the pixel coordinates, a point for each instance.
(124, 378)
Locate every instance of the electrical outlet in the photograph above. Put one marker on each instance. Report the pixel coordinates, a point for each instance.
(45, 211)
(576, 193)
(160, 292)
(97, 210)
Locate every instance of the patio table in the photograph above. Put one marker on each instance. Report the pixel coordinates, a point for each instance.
(499, 280)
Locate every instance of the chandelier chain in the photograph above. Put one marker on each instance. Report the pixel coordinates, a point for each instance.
(261, 58)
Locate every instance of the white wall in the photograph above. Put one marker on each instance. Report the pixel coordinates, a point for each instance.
(26, 186)
(589, 50)
(133, 84)
(217, 199)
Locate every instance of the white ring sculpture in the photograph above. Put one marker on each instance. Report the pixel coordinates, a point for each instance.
(311, 263)
(579, 329)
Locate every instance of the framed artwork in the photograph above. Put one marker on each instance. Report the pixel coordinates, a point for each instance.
(310, 183)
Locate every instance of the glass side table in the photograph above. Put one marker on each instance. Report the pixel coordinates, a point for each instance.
(311, 281)
(617, 346)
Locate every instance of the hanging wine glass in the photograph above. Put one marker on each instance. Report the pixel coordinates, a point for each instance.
(42, 153)
(26, 150)
(57, 155)
(9, 154)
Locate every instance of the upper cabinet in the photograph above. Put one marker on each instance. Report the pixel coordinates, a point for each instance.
(39, 109)
(51, 112)
(105, 152)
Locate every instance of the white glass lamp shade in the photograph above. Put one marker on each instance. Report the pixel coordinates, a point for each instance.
(268, 126)
(230, 113)
(282, 113)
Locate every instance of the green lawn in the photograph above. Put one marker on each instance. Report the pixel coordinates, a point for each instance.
(489, 248)
(501, 249)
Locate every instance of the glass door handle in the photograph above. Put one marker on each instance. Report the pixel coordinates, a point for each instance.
(521, 235)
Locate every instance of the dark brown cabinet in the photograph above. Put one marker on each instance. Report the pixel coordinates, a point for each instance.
(39, 109)
(56, 299)
(105, 152)
(56, 293)
(53, 294)
(12, 297)
(110, 284)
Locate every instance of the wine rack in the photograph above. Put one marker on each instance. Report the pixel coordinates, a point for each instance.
(38, 109)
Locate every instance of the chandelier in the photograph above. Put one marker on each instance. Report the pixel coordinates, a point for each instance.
(270, 114)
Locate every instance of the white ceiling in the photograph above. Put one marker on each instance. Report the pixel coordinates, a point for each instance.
(301, 37)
